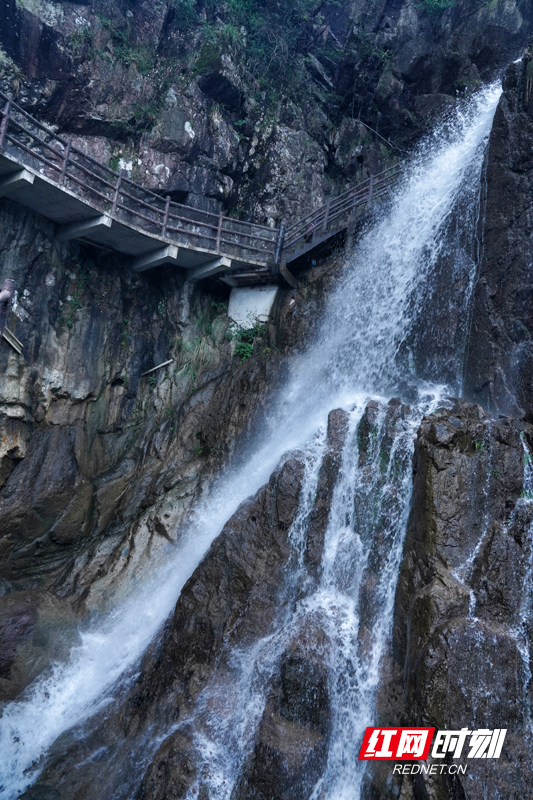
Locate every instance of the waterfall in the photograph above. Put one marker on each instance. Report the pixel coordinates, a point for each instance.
(370, 341)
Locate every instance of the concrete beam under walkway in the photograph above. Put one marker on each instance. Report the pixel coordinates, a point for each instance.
(76, 230)
(17, 180)
(210, 268)
(163, 255)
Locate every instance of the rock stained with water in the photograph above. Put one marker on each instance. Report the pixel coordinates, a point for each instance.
(499, 366)
(105, 457)
(232, 602)
(462, 625)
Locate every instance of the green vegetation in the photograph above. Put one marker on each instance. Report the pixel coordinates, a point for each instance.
(270, 40)
(462, 86)
(197, 354)
(308, 293)
(245, 338)
(82, 41)
(126, 52)
(479, 446)
(73, 303)
(435, 7)
(145, 114)
(186, 14)
(275, 37)
(124, 335)
(207, 321)
(369, 49)
(140, 56)
(142, 119)
(113, 162)
(209, 58)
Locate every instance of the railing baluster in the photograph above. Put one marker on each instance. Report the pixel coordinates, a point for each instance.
(354, 199)
(326, 216)
(117, 192)
(219, 230)
(145, 206)
(370, 190)
(65, 162)
(165, 218)
(5, 120)
(279, 245)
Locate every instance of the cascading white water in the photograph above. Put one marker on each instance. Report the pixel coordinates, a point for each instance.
(354, 357)
(364, 538)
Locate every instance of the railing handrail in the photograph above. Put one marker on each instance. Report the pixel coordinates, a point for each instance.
(114, 193)
(343, 205)
(352, 191)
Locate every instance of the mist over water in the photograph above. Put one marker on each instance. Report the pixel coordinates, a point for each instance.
(372, 338)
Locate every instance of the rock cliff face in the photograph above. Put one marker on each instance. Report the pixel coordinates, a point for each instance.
(462, 630)
(264, 112)
(232, 602)
(100, 465)
(459, 656)
(499, 367)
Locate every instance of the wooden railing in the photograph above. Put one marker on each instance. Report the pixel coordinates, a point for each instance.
(338, 211)
(36, 146)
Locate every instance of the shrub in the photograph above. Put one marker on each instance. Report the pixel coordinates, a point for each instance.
(82, 40)
(245, 338)
(436, 7)
(186, 14)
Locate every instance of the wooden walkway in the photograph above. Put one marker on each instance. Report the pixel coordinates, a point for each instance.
(93, 203)
(340, 213)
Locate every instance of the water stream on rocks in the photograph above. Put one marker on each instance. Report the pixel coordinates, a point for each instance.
(370, 344)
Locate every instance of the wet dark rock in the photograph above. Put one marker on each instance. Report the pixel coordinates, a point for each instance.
(292, 742)
(13, 446)
(232, 600)
(329, 470)
(40, 792)
(379, 427)
(368, 429)
(159, 86)
(38, 496)
(237, 592)
(460, 636)
(499, 366)
(219, 87)
(87, 445)
(299, 309)
(172, 771)
(36, 629)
